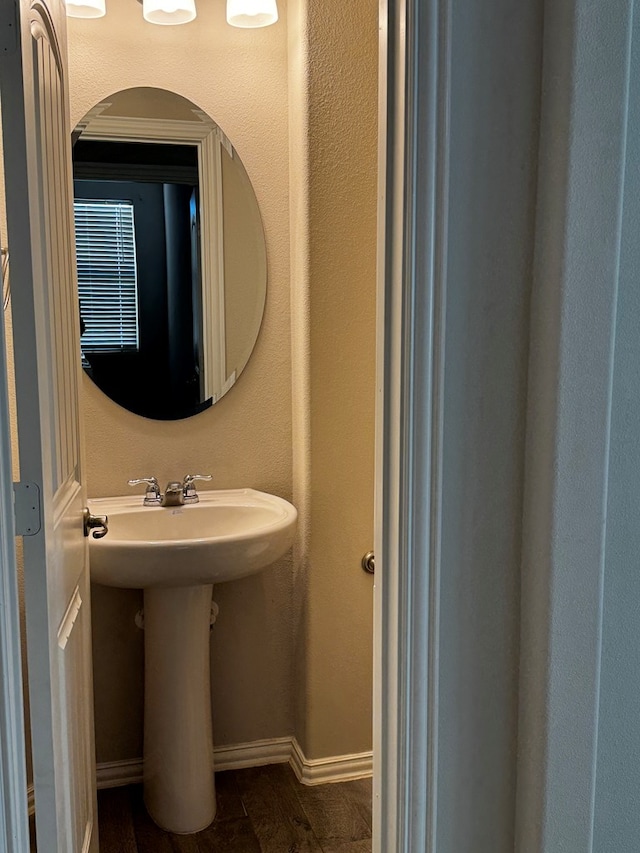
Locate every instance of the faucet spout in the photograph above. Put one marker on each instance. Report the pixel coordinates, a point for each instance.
(173, 495)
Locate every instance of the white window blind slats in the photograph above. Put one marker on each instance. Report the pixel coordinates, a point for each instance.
(107, 274)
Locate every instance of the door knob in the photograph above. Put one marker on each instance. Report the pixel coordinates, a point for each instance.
(369, 562)
(99, 524)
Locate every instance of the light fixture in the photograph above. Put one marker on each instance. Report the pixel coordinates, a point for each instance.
(251, 13)
(86, 8)
(167, 12)
(155, 11)
(247, 14)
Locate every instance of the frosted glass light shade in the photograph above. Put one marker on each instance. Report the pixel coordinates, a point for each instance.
(251, 13)
(167, 12)
(86, 8)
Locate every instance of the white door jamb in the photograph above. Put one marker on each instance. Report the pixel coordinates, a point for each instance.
(412, 222)
(14, 829)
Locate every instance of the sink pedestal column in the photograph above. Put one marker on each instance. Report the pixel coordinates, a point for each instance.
(179, 790)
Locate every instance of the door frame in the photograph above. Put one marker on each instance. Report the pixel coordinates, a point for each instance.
(581, 164)
(414, 89)
(14, 828)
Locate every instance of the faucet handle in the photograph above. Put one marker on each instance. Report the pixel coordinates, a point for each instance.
(190, 494)
(152, 493)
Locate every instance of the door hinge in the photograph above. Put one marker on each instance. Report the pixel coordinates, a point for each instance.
(26, 504)
(9, 27)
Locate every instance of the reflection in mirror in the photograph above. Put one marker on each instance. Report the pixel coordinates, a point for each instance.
(171, 254)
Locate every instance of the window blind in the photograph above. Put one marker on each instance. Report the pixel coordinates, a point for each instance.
(107, 275)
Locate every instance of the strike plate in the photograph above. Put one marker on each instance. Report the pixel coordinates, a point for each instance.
(27, 509)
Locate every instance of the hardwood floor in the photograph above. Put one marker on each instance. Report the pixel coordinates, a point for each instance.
(260, 810)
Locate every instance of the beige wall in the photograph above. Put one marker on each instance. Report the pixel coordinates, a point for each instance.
(240, 79)
(333, 126)
(245, 270)
(292, 647)
(342, 134)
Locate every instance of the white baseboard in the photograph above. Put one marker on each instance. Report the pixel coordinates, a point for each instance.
(114, 774)
(340, 768)
(254, 754)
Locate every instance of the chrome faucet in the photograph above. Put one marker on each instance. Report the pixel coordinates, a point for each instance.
(175, 493)
(152, 496)
(190, 494)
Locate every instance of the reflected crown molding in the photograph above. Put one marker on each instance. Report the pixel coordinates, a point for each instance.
(98, 126)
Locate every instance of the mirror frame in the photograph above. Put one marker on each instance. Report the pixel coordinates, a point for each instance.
(208, 139)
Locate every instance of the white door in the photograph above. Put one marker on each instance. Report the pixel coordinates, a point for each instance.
(37, 153)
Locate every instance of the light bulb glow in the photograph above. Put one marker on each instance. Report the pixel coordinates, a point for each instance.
(251, 13)
(169, 12)
(86, 8)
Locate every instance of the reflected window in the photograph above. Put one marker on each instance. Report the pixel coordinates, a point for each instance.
(107, 275)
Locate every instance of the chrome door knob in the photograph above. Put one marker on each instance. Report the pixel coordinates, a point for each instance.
(369, 562)
(98, 525)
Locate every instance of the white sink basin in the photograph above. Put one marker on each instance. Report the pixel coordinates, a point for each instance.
(227, 535)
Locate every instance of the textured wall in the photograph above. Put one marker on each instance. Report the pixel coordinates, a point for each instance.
(240, 79)
(339, 81)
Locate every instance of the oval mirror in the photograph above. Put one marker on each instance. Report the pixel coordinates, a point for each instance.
(171, 255)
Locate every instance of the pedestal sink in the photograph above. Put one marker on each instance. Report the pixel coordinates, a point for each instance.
(176, 554)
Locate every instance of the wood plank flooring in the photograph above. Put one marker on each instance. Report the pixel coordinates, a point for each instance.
(260, 810)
